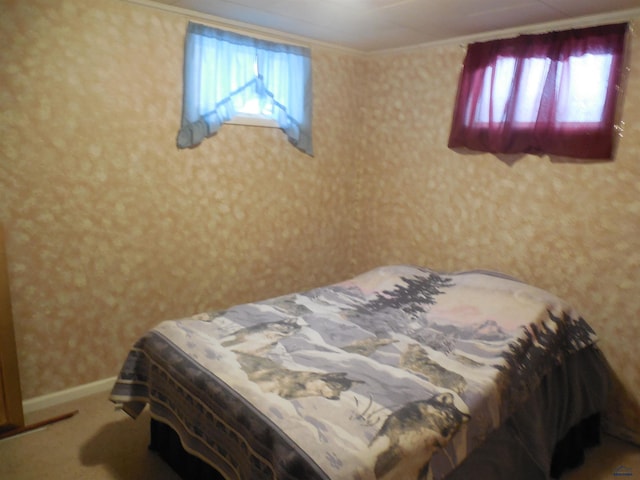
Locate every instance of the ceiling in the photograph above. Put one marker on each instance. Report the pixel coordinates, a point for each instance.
(373, 25)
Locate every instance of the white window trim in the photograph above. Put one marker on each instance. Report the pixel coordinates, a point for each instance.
(250, 120)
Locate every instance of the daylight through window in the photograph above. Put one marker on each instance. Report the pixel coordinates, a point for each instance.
(553, 94)
(226, 74)
(581, 100)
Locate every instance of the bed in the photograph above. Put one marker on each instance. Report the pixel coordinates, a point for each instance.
(401, 372)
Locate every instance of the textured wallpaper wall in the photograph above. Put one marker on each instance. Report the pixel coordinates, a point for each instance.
(110, 228)
(571, 229)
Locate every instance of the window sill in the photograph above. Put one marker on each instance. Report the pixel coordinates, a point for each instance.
(253, 121)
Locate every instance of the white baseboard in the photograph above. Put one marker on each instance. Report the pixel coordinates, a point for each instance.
(63, 396)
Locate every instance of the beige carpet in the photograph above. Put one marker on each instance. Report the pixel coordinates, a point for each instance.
(100, 443)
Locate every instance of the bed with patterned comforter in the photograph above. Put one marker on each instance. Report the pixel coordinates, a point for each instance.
(399, 373)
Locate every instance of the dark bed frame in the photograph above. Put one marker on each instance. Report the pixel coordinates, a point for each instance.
(568, 453)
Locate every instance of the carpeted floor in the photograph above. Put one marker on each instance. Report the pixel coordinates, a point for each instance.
(100, 443)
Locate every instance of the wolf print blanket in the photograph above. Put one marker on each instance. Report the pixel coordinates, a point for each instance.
(397, 373)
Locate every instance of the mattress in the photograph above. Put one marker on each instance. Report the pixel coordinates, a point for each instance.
(399, 373)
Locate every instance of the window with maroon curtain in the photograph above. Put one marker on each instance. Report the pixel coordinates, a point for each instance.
(553, 94)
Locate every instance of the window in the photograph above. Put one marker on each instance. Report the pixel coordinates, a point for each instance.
(552, 94)
(226, 74)
(255, 111)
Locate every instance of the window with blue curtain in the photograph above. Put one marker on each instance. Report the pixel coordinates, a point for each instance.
(224, 71)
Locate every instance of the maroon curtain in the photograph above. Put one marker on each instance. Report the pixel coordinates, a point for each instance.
(553, 94)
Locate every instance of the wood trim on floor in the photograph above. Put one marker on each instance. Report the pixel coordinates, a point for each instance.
(36, 426)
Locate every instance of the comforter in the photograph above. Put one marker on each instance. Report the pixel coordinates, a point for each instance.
(400, 372)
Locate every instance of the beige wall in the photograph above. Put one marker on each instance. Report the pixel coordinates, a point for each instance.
(110, 228)
(571, 229)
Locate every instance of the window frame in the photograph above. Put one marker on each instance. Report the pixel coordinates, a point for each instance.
(224, 69)
(252, 120)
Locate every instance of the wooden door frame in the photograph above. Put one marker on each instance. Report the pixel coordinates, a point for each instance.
(10, 389)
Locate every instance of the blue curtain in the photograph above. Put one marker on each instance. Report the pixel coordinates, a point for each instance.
(220, 76)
